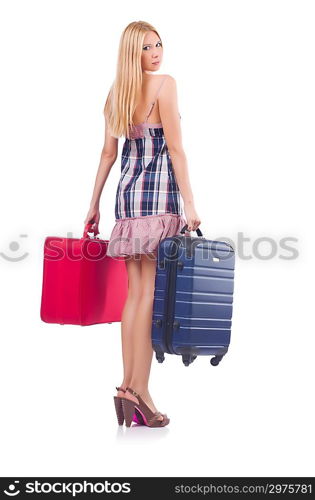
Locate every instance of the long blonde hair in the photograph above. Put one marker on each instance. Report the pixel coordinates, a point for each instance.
(121, 100)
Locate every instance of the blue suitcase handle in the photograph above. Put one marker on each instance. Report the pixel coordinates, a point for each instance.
(185, 229)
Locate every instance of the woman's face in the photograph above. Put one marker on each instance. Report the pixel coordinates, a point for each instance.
(152, 52)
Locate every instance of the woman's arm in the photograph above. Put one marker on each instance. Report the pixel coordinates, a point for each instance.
(172, 131)
(108, 158)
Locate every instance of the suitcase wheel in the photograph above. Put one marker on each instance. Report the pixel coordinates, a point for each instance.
(160, 357)
(187, 359)
(215, 360)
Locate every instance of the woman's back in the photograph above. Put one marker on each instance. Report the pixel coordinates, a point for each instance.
(147, 98)
(147, 114)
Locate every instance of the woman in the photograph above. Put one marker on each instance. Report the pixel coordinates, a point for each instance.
(148, 206)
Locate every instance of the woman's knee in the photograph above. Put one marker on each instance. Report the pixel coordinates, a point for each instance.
(146, 294)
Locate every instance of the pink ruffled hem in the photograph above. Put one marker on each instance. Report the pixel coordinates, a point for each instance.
(138, 235)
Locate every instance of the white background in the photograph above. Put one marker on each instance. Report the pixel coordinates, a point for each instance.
(245, 78)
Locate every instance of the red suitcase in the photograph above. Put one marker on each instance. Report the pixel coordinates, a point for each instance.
(81, 284)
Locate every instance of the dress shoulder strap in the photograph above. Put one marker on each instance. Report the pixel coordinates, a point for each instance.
(157, 94)
(160, 87)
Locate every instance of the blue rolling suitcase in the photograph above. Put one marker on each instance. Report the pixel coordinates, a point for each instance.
(193, 298)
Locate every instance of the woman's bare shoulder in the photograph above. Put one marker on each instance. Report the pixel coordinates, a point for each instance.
(167, 78)
(157, 79)
(169, 87)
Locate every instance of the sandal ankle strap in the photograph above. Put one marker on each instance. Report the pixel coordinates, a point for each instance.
(120, 389)
(132, 392)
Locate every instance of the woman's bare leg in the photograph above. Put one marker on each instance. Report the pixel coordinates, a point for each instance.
(142, 325)
(128, 318)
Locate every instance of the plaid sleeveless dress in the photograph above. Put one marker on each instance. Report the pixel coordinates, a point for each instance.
(148, 205)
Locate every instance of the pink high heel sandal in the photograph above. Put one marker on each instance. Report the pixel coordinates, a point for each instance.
(136, 417)
(150, 418)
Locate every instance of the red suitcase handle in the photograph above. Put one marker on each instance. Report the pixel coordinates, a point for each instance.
(89, 229)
